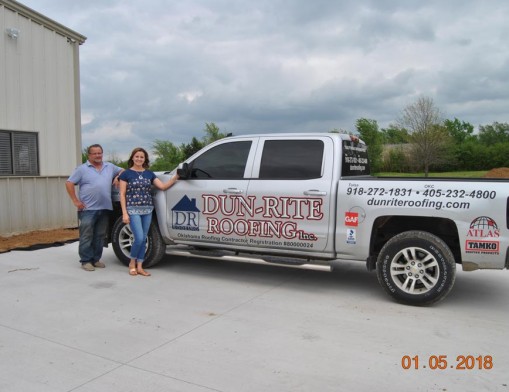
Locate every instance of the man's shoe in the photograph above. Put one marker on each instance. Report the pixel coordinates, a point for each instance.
(99, 264)
(88, 267)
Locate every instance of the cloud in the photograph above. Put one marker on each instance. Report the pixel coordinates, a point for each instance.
(161, 70)
(109, 134)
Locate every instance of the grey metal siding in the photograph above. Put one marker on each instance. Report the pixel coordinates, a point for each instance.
(39, 93)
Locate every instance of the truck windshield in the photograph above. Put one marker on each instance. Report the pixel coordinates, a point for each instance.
(355, 159)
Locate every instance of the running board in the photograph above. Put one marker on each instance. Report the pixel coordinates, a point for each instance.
(224, 255)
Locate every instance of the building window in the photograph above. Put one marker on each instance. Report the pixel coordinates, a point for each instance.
(19, 154)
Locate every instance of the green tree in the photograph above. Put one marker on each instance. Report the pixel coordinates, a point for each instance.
(212, 133)
(471, 155)
(429, 138)
(431, 148)
(498, 155)
(168, 156)
(460, 131)
(494, 133)
(369, 133)
(191, 148)
(394, 135)
(396, 160)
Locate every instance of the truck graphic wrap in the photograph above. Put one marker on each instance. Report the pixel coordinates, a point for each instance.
(268, 217)
(309, 198)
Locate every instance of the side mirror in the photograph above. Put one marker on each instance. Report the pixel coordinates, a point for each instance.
(183, 171)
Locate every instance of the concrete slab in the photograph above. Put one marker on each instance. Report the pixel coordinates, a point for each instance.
(203, 325)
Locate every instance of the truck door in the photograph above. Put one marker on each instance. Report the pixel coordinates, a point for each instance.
(292, 190)
(201, 208)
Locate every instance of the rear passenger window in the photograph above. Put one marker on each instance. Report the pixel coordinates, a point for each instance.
(225, 161)
(291, 159)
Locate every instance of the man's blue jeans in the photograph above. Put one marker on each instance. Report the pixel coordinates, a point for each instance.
(140, 224)
(93, 225)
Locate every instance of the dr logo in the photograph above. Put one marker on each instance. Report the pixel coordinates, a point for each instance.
(185, 215)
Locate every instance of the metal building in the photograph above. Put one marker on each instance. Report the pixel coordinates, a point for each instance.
(40, 119)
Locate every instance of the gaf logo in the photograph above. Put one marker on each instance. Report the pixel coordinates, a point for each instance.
(351, 219)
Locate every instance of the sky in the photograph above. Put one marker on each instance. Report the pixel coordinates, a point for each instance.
(161, 69)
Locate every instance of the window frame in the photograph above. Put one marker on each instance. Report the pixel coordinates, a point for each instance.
(11, 143)
(227, 144)
(305, 141)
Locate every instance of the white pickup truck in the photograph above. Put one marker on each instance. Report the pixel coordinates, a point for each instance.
(309, 199)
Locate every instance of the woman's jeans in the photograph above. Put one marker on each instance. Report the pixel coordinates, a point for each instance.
(93, 225)
(139, 226)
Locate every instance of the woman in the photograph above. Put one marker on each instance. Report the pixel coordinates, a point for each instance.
(137, 204)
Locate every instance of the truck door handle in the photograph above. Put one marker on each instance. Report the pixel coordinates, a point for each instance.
(315, 192)
(233, 190)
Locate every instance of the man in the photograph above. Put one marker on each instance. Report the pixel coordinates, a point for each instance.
(94, 205)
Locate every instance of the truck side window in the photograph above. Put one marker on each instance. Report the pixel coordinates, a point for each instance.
(225, 161)
(291, 159)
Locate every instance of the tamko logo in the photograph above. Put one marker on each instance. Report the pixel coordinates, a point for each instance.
(472, 246)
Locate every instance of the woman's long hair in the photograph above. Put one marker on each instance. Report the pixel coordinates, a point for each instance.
(130, 162)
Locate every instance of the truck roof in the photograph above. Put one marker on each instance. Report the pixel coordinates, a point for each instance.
(342, 136)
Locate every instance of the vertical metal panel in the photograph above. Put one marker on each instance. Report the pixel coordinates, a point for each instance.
(3, 73)
(5, 153)
(34, 203)
(5, 216)
(12, 70)
(14, 205)
(26, 82)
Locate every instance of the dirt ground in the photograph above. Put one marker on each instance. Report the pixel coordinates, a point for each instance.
(501, 172)
(37, 238)
(34, 238)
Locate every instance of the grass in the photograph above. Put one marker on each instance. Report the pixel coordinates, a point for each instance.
(459, 174)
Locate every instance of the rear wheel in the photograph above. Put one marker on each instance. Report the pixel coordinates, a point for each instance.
(416, 268)
(122, 240)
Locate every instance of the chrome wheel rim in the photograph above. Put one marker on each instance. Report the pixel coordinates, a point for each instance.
(415, 270)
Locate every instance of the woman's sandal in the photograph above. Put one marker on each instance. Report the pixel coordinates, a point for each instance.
(144, 273)
(133, 272)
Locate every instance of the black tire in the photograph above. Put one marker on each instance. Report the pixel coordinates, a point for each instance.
(416, 268)
(122, 240)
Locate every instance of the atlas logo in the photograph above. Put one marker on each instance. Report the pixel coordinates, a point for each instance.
(483, 227)
(185, 215)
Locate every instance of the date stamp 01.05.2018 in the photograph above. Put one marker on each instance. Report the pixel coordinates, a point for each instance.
(443, 362)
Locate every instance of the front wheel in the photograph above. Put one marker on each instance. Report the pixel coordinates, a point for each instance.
(416, 268)
(122, 240)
